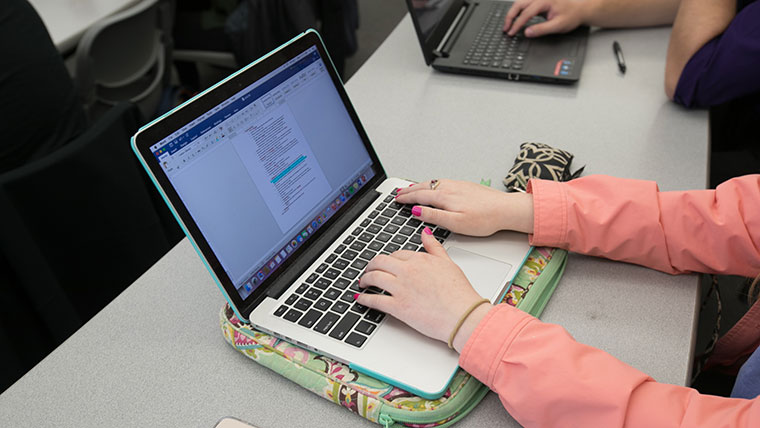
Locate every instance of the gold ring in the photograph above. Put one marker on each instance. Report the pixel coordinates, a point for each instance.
(434, 184)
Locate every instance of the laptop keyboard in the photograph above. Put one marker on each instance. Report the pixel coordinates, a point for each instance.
(325, 301)
(495, 49)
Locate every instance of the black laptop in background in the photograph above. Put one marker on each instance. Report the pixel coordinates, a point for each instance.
(465, 36)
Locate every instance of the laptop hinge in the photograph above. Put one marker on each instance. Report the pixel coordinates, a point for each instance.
(451, 36)
(320, 245)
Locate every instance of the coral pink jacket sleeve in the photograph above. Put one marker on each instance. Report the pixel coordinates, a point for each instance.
(544, 378)
(710, 231)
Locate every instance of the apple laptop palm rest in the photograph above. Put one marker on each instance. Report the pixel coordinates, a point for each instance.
(487, 276)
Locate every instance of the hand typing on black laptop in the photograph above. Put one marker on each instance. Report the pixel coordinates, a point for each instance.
(563, 16)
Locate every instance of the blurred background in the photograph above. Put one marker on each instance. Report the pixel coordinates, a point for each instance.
(80, 219)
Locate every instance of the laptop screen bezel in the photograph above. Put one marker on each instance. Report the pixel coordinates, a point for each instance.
(431, 43)
(202, 103)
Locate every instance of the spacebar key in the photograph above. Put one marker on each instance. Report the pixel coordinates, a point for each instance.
(344, 326)
(327, 321)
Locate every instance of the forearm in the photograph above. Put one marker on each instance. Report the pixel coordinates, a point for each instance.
(630, 220)
(545, 378)
(515, 212)
(696, 23)
(629, 13)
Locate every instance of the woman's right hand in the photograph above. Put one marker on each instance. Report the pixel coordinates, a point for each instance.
(427, 291)
(561, 16)
(469, 208)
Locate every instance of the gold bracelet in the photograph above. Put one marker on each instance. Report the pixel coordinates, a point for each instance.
(464, 317)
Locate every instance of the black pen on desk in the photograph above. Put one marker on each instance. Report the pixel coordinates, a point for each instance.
(619, 56)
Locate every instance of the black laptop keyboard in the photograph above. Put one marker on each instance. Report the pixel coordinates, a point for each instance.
(325, 301)
(495, 49)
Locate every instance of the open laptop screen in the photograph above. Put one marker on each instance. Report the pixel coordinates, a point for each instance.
(428, 14)
(263, 170)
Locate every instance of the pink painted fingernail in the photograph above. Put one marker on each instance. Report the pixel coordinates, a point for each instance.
(411, 185)
(359, 281)
(427, 231)
(356, 296)
(417, 210)
(396, 197)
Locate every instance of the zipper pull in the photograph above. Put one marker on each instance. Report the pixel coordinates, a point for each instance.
(386, 420)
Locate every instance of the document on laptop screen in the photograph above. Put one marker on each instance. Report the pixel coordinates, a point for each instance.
(282, 166)
(263, 170)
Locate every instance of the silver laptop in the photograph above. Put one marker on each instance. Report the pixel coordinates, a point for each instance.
(276, 184)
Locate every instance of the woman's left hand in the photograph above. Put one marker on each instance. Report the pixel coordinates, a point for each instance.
(469, 208)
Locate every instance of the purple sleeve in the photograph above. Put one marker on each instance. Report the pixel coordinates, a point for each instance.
(727, 67)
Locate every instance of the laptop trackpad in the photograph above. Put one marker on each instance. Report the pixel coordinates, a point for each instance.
(487, 276)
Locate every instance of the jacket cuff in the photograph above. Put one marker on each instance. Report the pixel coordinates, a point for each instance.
(549, 213)
(488, 343)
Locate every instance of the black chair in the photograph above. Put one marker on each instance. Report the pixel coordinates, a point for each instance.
(77, 227)
(124, 58)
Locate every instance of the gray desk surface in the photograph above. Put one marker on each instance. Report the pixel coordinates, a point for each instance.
(136, 364)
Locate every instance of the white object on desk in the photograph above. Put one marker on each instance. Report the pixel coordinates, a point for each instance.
(67, 20)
